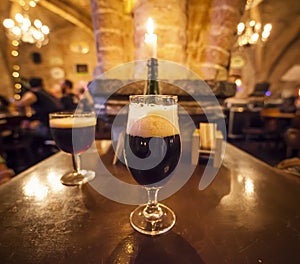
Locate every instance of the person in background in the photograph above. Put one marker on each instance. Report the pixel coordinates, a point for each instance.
(288, 105)
(69, 99)
(5, 173)
(56, 91)
(42, 103)
(297, 97)
(86, 102)
(4, 103)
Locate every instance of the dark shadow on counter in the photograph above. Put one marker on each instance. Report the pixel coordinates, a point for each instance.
(167, 248)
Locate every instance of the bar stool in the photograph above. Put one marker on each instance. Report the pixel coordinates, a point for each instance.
(254, 127)
(292, 140)
(15, 143)
(296, 121)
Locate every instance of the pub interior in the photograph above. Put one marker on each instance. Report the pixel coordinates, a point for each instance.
(234, 66)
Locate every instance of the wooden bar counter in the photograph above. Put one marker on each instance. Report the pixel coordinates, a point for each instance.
(250, 213)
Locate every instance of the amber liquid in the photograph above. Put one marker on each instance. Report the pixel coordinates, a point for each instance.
(74, 140)
(167, 152)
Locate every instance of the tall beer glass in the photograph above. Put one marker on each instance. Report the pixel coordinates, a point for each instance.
(152, 151)
(74, 133)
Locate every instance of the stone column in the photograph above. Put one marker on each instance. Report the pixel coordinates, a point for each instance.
(170, 26)
(113, 30)
(211, 35)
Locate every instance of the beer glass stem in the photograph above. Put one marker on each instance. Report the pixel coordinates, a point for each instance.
(152, 211)
(76, 162)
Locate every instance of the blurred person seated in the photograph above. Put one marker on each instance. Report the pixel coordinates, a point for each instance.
(69, 99)
(4, 104)
(86, 102)
(42, 103)
(5, 173)
(56, 91)
(297, 97)
(288, 105)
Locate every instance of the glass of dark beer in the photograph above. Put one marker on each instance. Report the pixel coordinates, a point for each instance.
(152, 151)
(74, 133)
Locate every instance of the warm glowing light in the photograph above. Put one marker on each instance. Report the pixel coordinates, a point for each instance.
(16, 31)
(151, 38)
(17, 97)
(19, 18)
(249, 187)
(18, 86)
(37, 23)
(265, 35)
(26, 23)
(254, 38)
(150, 26)
(15, 43)
(268, 27)
(45, 29)
(240, 178)
(35, 188)
(252, 23)
(15, 74)
(15, 53)
(54, 182)
(129, 247)
(16, 67)
(37, 35)
(238, 82)
(257, 26)
(21, 27)
(252, 33)
(32, 3)
(240, 28)
(8, 23)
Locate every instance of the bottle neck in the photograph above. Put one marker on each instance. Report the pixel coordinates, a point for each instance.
(152, 85)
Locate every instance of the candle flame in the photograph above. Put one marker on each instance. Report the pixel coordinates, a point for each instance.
(150, 26)
(151, 38)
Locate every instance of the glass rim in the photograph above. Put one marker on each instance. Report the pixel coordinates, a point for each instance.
(72, 114)
(161, 96)
(153, 95)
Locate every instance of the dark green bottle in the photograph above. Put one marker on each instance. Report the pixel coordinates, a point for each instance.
(152, 84)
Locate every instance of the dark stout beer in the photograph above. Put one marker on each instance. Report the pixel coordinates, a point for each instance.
(167, 153)
(73, 135)
(152, 149)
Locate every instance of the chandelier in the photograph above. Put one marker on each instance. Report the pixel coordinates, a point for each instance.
(252, 32)
(21, 28)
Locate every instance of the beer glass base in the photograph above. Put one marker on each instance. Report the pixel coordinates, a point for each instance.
(77, 178)
(152, 227)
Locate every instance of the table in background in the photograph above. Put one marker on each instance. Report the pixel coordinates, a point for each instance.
(249, 214)
(278, 120)
(15, 142)
(276, 113)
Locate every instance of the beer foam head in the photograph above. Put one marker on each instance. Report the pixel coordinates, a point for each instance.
(69, 122)
(136, 111)
(153, 126)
